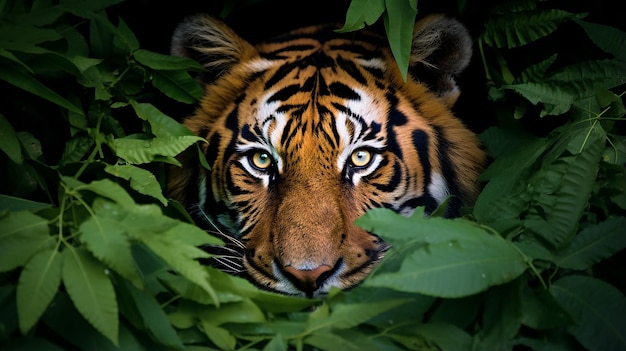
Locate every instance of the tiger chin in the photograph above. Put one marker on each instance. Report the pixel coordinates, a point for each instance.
(306, 132)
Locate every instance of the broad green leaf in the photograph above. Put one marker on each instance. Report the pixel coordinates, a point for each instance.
(125, 38)
(221, 337)
(609, 39)
(541, 311)
(178, 85)
(141, 180)
(585, 78)
(144, 151)
(22, 234)
(331, 341)
(39, 281)
(9, 143)
(161, 124)
(23, 80)
(598, 308)
(345, 316)
(20, 37)
(515, 29)
(537, 72)
(91, 291)
(163, 62)
(277, 343)
(399, 22)
(180, 255)
(16, 204)
(593, 244)
(76, 148)
(104, 237)
(446, 336)
(154, 318)
(67, 323)
(244, 311)
(361, 13)
(562, 191)
(446, 258)
(559, 98)
(501, 317)
(105, 188)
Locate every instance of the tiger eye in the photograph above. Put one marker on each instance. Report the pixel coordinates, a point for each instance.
(261, 160)
(361, 158)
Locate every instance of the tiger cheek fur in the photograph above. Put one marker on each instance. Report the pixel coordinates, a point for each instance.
(306, 132)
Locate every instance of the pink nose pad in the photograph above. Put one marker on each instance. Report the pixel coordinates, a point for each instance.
(308, 280)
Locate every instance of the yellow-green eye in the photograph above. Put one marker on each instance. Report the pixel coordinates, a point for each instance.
(261, 160)
(361, 158)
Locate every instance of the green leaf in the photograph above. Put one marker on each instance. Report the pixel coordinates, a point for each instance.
(562, 191)
(444, 258)
(17, 204)
(559, 98)
(244, 311)
(598, 308)
(91, 291)
(161, 124)
(67, 323)
(139, 151)
(141, 180)
(20, 37)
(331, 341)
(277, 343)
(105, 188)
(178, 85)
(345, 316)
(362, 12)
(22, 234)
(76, 148)
(541, 311)
(610, 39)
(501, 317)
(125, 38)
(23, 80)
(163, 62)
(593, 244)
(180, 255)
(515, 29)
(585, 78)
(38, 283)
(154, 318)
(9, 143)
(399, 22)
(221, 337)
(446, 336)
(104, 237)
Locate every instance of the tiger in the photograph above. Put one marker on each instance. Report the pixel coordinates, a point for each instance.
(308, 130)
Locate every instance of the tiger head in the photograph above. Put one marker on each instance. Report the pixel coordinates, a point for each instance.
(307, 131)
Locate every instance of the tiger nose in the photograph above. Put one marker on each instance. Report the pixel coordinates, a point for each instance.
(308, 280)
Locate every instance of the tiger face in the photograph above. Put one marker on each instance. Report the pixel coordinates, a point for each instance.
(306, 132)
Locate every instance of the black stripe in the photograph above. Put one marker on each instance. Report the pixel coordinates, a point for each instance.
(352, 69)
(343, 91)
(449, 174)
(420, 140)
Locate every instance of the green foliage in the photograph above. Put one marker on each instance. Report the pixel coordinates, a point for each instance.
(94, 256)
(398, 18)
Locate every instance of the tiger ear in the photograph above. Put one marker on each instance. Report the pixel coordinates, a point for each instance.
(212, 43)
(441, 49)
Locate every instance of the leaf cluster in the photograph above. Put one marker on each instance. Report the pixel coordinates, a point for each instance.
(93, 256)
